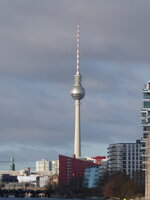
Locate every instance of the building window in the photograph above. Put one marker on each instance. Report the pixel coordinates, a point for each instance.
(143, 114)
(146, 104)
(146, 96)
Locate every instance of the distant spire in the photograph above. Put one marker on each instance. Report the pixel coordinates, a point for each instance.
(78, 49)
(12, 164)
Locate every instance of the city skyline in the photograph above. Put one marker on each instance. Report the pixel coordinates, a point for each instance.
(38, 61)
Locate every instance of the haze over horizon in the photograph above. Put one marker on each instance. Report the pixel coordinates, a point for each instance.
(37, 67)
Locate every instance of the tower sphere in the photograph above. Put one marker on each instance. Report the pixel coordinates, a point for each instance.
(78, 92)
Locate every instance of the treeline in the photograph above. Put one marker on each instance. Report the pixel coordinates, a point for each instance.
(117, 185)
(120, 185)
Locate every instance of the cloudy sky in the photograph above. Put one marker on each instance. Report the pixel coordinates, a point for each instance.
(37, 65)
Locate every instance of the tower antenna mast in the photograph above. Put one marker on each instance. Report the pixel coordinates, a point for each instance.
(78, 49)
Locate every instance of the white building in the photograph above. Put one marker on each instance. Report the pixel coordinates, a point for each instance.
(125, 157)
(91, 177)
(43, 165)
(54, 166)
(43, 181)
(27, 179)
(36, 180)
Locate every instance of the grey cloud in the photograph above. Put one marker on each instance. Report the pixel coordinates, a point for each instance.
(37, 64)
(39, 39)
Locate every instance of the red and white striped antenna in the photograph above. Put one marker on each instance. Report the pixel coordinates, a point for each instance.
(78, 49)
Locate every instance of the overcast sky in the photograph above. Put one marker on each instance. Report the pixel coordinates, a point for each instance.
(37, 67)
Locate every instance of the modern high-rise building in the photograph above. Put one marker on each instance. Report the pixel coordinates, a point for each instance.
(77, 93)
(43, 165)
(145, 119)
(147, 171)
(145, 149)
(125, 157)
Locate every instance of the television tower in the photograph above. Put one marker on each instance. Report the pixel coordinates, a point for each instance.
(77, 93)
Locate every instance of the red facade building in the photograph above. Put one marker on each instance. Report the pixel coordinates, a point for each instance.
(72, 168)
